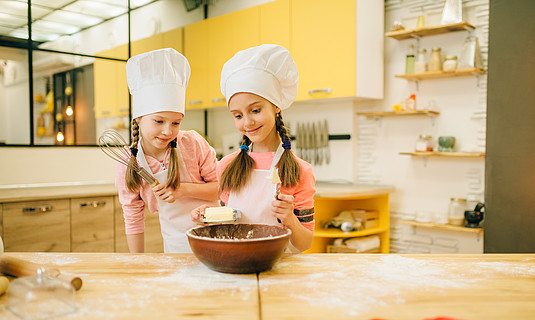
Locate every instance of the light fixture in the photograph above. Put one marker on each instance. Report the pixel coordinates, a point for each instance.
(69, 111)
(60, 137)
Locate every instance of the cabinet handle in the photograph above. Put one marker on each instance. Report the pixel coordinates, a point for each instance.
(194, 102)
(93, 204)
(40, 209)
(215, 100)
(325, 90)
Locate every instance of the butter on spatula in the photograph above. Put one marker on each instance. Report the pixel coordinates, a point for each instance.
(214, 214)
(274, 176)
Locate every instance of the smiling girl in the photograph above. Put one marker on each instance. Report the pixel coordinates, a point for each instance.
(182, 161)
(258, 83)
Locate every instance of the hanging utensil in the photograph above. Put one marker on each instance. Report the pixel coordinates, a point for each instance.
(309, 143)
(113, 145)
(319, 136)
(314, 144)
(326, 142)
(296, 141)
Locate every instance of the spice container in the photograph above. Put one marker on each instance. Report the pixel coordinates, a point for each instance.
(409, 60)
(450, 63)
(420, 65)
(456, 211)
(410, 103)
(424, 143)
(435, 61)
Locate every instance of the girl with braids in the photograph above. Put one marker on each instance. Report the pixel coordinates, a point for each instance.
(182, 161)
(258, 83)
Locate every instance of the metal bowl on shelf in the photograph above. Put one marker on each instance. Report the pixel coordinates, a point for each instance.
(239, 248)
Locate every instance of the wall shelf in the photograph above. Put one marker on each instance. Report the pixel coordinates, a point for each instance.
(440, 226)
(442, 74)
(379, 114)
(429, 31)
(445, 154)
(337, 233)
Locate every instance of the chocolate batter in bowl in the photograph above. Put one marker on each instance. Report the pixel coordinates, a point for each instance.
(239, 248)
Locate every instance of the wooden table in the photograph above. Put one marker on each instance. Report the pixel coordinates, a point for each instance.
(305, 286)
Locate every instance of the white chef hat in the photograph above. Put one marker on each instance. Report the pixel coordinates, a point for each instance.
(157, 81)
(267, 70)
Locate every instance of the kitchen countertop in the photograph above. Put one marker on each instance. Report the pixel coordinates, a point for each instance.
(24, 193)
(304, 286)
(46, 192)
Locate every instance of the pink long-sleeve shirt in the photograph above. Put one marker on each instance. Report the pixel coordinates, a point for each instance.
(303, 191)
(200, 160)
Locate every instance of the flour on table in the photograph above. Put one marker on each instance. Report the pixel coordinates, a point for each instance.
(368, 284)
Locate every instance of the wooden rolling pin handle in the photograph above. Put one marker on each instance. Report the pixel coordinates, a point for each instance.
(155, 183)
(19, 268)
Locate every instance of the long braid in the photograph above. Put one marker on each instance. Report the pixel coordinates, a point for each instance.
(173, 172)
(133, 180)
(239, 170)
(289, 170)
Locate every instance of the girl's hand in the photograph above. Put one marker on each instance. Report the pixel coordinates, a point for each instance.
(283, 209)
(197, 213)
(168, 194)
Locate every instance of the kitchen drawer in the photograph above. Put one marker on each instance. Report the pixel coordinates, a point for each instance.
(153, 235)
(41, 226)
(92, 224)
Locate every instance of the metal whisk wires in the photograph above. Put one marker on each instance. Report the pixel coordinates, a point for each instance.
(113, 145)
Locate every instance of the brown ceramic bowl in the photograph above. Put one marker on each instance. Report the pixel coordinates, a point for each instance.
(238, 248)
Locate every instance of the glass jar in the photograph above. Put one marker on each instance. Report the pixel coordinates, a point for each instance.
(420, 65)
(409, 61)
(424, 143)
(435, 61)
(450, 63)
(456, 211)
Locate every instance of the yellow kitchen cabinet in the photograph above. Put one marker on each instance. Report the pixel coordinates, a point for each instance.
(275, 23)
(209, 44)
(338, 48)
(174, 39)
(147, 44)
(331, 199)
(153, 235)
(196, 51)
(227, 35)
(92, 224)
(111, 89)
(39, 226)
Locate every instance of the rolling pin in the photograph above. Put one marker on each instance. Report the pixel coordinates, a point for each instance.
(20, 268)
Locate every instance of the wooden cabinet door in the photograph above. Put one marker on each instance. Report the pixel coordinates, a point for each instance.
(275, 23)
(37, 226)
(153, 235)
(323, 47)
(92, 224)
(196, 51)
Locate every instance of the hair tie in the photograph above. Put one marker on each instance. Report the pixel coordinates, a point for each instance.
(133, 150)
(244, 147)
(173, 143)
(287, 145)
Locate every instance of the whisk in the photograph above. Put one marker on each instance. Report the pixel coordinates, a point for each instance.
(113, 145)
